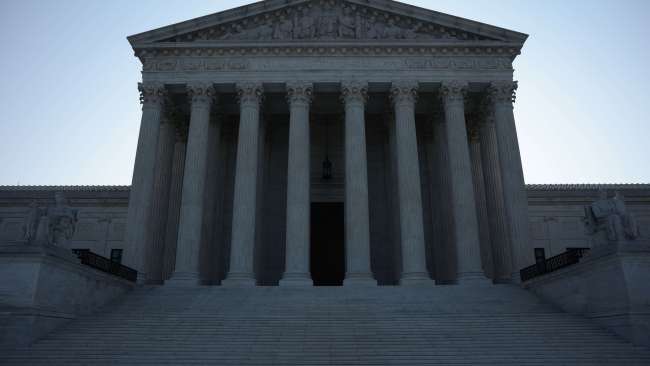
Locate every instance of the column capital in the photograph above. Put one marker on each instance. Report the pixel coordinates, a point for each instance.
(250, 93)
(503, 91)
(453, 91)
(299, 92)
(404, 91)
(354, 92)
(201, 94)
(152, 94)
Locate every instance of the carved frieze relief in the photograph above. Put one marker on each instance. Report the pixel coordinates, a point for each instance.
(326, 20)
(218, 64)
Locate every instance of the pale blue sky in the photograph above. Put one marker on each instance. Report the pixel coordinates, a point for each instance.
(70, 109)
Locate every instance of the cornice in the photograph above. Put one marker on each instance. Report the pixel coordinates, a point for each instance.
(65, 188)
(529, 187)
(586, 187)
(327, 49)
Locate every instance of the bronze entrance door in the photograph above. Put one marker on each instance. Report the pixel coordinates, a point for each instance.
(327, 244)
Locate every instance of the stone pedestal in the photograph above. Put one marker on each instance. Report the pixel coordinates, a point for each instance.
(357, 220)
(414, 267)
(610, 285)
(44, 287)
(468, 256)
(242, 246)
(186, 272)
(296, 271)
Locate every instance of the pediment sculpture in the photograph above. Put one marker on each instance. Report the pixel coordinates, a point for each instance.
(326, 20)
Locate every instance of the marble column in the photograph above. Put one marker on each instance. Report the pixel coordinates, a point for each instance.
(497, 219)
(296, 271)
(175, 197)
(156, 240)
(393, 199)
(409, 190)
(512, 175)
(357, 219)
(186, 272)
(463, 205)
(479, 197)
(212, 197)
(445, 258)
(242, 245)
(141, 196)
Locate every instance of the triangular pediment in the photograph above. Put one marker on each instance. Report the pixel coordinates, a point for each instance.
(327, 21)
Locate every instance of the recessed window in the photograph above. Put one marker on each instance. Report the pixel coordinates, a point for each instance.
(540, 255)
(116, 255)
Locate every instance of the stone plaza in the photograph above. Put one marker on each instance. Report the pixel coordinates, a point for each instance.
(339, 163)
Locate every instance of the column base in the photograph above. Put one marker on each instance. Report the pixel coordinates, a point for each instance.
(416, 279)
(473, 279)
(296, 280)
(239, 280)
(184, 279)
(358, 279)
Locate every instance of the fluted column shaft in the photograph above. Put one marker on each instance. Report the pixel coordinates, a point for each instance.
(211, 224)
(466, 230)
(191, 215)
(446, 254)
(497, 217)
(163, 170)
(298, 188)
(175, 197)
(512, 175)
(357, 220)
(414, 267)
(241, 272)
(479, 197)
(141, 195)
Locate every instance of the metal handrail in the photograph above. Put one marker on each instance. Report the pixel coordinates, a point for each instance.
(105, 265)
(568, 258)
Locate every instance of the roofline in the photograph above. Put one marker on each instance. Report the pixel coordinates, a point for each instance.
(77, 188)
(270, 5)
(529, 187)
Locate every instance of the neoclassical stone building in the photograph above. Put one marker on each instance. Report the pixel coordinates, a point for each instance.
(377, 136)
(299, 143)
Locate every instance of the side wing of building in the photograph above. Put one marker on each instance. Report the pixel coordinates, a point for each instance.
(556, 214)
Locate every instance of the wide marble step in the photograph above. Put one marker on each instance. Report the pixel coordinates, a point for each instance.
(448, 325)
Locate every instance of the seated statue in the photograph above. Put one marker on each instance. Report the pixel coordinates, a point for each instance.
(51, 225)
(62, 221)
(609, 216)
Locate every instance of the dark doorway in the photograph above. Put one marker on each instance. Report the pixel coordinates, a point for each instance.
(327, 248)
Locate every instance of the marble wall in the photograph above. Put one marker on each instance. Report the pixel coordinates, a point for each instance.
(556, 212)
(101, 214)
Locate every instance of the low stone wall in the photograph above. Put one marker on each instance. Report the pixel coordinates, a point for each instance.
(611, 286)
(43, 287)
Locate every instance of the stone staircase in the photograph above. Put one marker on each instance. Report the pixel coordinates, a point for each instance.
(443, 325)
